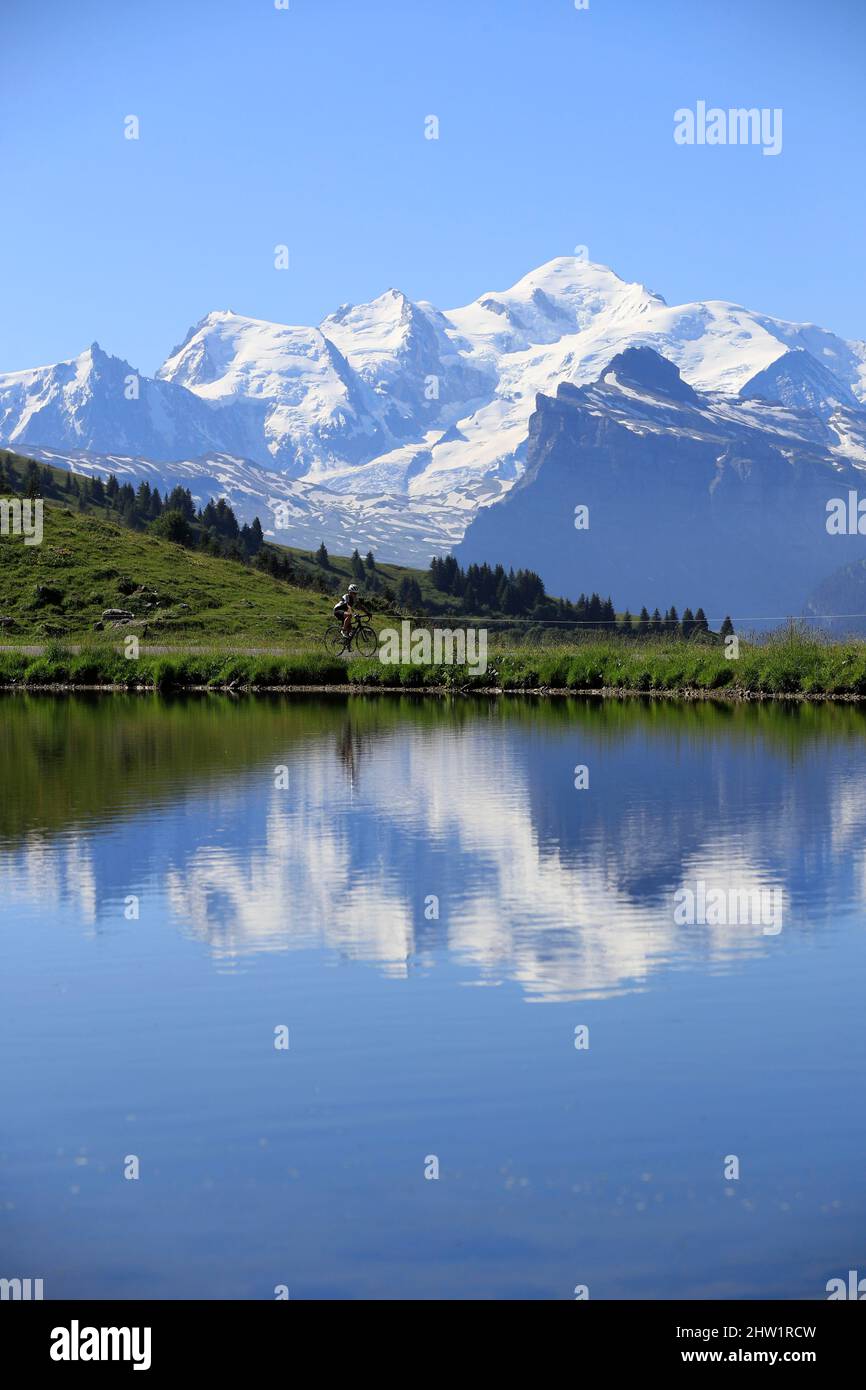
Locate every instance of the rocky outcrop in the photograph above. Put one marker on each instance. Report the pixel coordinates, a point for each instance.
(691, 497)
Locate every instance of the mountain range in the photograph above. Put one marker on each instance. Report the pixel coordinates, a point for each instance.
(408, 429)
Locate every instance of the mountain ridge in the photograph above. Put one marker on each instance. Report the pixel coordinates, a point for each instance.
(396, 398)
(684, 491)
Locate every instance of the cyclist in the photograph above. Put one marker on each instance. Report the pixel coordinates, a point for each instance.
(346, 608)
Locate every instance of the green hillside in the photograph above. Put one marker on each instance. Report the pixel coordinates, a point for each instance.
(100, 551)
(87, 565)
(90, 562)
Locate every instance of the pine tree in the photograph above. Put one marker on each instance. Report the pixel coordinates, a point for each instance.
(322, 557)
(226, 521)
(511, 600)
(643, 623)
(409, 592)
(727, 628)
(687, 625)
(32, 481)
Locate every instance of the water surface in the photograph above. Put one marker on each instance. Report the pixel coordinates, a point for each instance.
(415, 889)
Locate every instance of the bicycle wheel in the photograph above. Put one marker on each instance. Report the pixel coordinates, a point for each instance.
(365, 641)
(335, 642)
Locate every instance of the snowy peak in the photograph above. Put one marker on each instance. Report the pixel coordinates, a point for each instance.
(100, 403)
(377, 325)
(303, 407)
(229, 355)
(580, 286)
(801, 382)
(212, 318)
(562, 297)
(376, 337)
(405, 354)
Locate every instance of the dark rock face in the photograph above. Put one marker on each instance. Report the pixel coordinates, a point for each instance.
(693, 498)
(643, 369)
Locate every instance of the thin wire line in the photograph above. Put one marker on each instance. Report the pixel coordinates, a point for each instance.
(602, 622)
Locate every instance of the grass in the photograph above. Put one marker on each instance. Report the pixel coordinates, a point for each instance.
(103, 664)
(795, 663)
(87, 564)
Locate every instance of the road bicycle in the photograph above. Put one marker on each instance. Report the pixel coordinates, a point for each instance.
(361, 638)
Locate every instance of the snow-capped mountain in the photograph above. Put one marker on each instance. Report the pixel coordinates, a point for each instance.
(567, 320)
(693, 497)
(407, 354)
(801, 381)
(400, 406)
(101, 403)
(312, 411)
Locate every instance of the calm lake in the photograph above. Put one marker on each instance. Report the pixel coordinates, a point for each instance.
(415, 896)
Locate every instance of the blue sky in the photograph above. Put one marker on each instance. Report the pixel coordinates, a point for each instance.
(305, 127)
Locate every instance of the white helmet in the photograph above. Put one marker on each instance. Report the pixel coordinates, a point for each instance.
(353, 588)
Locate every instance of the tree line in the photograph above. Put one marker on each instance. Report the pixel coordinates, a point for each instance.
(213, 528)
(281, 564)
(485, 589)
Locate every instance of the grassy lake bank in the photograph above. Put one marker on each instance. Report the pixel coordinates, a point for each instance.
(792, 664)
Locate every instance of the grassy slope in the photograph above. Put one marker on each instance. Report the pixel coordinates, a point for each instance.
(85, 557)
